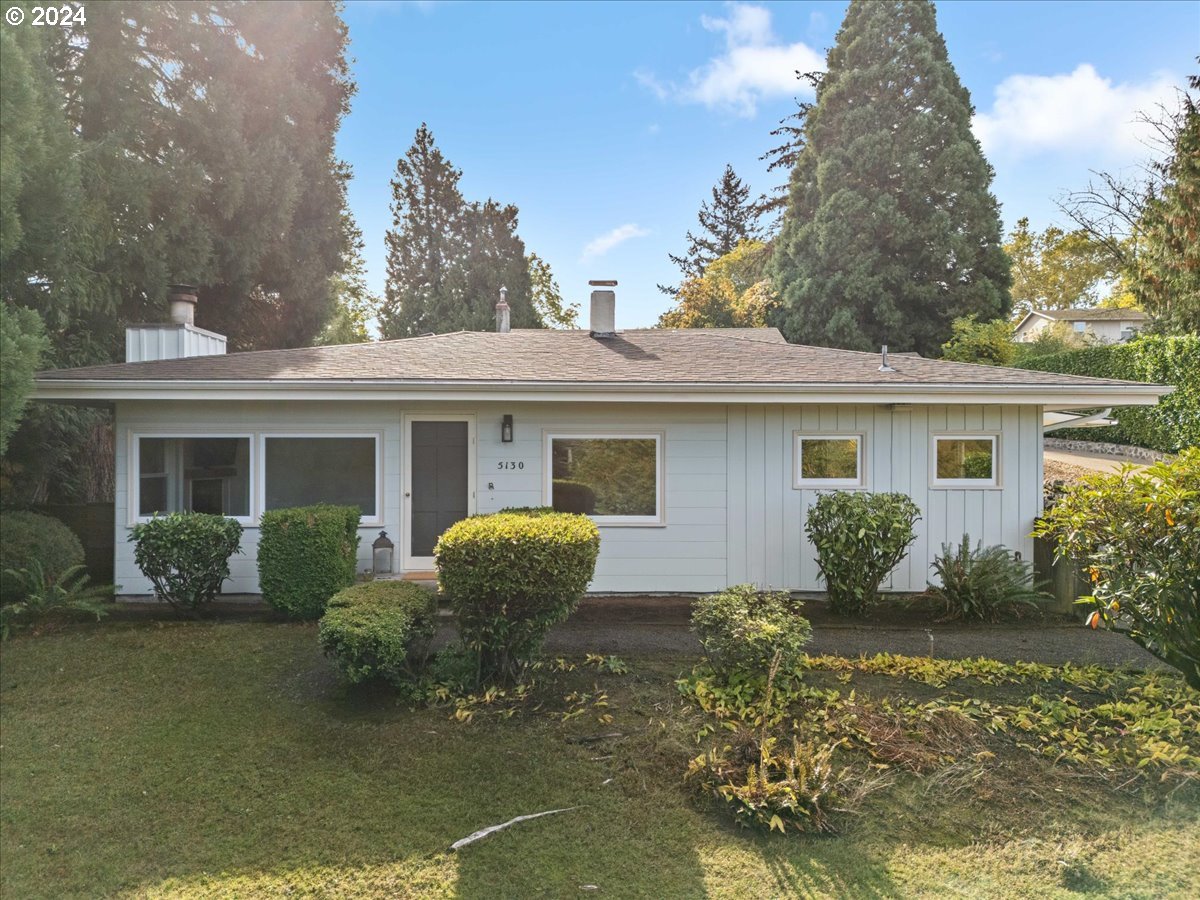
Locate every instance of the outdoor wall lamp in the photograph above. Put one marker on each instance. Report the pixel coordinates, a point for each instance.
(381, 555)
(506, 430)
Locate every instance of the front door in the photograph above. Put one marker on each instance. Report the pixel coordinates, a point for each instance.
(438, 482)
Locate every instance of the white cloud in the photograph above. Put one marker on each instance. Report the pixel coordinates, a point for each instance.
(598, 246)
(1080, 110)
(755, 65)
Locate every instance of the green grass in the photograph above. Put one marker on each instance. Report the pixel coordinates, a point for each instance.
(227, 760)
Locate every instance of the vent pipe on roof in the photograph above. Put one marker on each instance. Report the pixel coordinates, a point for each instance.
(502, 313)
(885, 367)
(604, 310)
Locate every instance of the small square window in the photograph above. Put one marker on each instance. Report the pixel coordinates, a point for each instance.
(828, 460)
(1081, 327)
(965, 461)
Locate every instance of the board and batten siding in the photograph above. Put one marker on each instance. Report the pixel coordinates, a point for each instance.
(732, 514)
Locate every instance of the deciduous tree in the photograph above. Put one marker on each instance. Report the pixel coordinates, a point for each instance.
(1057, 269)
(732, 292)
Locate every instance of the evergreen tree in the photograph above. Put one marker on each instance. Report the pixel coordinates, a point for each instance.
(425, 241)
(730, 218)
(784, 157)
(447, 259)
(354, 305)
(548, 302)
(890, 232)
(1166, 278)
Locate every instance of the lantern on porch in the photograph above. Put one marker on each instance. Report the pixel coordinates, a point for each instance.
(381, 555)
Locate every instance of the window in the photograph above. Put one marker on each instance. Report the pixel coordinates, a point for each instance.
(828, 460)
(299, 471)
(1081, 327)
(193, 474)
(965, 461)
(616, 479)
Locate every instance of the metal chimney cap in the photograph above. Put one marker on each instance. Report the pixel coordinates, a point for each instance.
(603, 283)
(186, 289)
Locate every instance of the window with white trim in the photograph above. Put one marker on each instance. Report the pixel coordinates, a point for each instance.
(338, 469)
(614, 478)
(192, 474)
(965, 460)
(827, 460)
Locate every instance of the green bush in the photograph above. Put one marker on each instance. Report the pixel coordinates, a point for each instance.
(379, 629)
(46, 596)
(29, 538)
(186, 555)
(574, 497)
(510, 577)
(747, 630)
(1174, 423)
(984, 583)
(1137, 534)
(528, 510)
(859, 537)
(307, 554)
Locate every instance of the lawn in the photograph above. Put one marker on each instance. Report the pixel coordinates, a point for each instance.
(200, 759)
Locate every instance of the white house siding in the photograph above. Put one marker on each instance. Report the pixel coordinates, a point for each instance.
(731, 513)
(767, 515)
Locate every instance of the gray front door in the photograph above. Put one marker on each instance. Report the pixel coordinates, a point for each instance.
(439, 466)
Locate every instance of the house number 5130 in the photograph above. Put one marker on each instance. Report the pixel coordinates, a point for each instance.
(509, 465)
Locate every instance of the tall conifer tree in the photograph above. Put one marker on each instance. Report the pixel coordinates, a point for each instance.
(891, 231)
(731, 217)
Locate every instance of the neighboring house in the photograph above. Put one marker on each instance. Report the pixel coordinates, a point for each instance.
(698, 452)
(1109, 326)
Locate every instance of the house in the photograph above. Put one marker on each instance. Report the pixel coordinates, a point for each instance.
(698, 452)
(1107, 326)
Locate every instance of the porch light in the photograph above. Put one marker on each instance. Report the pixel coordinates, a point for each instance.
(506, 430)
(381, 555)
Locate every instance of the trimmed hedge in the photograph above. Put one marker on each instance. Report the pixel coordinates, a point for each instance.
(509, 577)
(574, 497)
(307, 554)
(1169, 426)
(379, 629)
(186, 555)
(27, 538)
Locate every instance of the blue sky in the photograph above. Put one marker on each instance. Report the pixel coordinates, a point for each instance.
(608, 123)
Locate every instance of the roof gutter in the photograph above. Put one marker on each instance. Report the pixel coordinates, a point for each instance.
(1052, 396)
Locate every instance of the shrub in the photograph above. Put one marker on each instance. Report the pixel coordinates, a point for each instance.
(379, 629)
(510, 577)
(306, 554)
(47, 596)
(747, 630)
(528, 510)
(984, 583)
(574, 497)
(186, 555)
(860, 538)
(796, 788)
(1172, 424)
(28, 539)
(1137, 534)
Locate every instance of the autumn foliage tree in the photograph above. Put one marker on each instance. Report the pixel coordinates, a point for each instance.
(732, 293)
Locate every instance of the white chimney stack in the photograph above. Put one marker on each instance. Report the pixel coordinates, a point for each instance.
(502, 313)
(604, 310)
(176, 339)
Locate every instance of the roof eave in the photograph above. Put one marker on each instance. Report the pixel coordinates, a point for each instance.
(1063, 396)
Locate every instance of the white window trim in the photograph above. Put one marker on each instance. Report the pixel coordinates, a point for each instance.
(799, 483)
(980, 484)
(261, 470)
(133, 465)
(659, 518)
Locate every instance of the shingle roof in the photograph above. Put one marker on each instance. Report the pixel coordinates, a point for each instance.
(1094, 315)
(650, 356)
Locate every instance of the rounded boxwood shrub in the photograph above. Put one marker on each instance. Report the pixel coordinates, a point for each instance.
(509, 577)
(574, 497)
(186, 555)
(27, 538)
(860, 537)
(744, 630)
(306, 554)
(379, 629)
